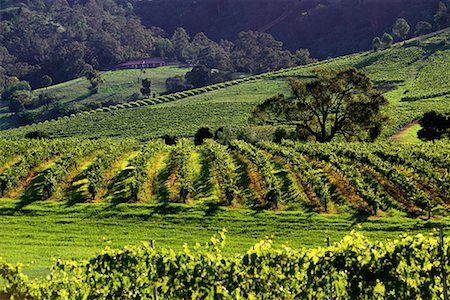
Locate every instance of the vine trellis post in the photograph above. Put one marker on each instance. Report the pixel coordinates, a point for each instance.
(155, 290)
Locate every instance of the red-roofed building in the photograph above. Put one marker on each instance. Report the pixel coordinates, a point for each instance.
(143, 63)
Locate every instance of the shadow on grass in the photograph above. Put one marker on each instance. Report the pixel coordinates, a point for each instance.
(162, 191)
(359, 218)
(34, 192)
(203, 185)
(166, 208)
(430, 48)
(121, 188)
(75, 195)
(29, 197)
(243, 181)
(82, 97)
(212, 208)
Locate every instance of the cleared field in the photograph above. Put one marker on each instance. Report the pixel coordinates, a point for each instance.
(408, 134)
(118, 86)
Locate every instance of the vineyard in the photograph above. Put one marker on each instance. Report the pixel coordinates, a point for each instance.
(337, 220)
(414, 78)
(357, 178)
(415, 267)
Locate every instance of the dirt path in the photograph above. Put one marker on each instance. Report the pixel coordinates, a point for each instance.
(398, 136)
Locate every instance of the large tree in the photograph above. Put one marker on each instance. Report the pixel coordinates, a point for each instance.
(199, 76)
(336, 102)
(442, 17)
(181, 44)
(19, 99)
(387, 40)
(377, 44)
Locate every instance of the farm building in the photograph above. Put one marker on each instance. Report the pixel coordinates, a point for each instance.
(143, 63)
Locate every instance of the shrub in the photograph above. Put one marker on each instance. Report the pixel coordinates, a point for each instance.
(279, 134)
(37, 135)
(169, 139)
(202, 134)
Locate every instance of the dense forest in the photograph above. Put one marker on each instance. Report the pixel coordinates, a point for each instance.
(325, 27)
(44, 42)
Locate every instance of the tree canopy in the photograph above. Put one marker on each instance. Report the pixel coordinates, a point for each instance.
(61, 39)
(387, 40)
(423, 27)
(336, 102)
(434, 126)
(401, 28)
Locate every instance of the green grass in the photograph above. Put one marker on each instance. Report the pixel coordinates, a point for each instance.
(408, 135)
(183, 117)
(118, 86)
(43, 232)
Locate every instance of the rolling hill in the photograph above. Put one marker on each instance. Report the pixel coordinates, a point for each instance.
(414, 75)
(75, 95)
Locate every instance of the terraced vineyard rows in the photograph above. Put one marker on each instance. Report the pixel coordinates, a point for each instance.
(364, 179)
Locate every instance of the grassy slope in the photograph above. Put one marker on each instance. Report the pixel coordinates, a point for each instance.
(118, 86)
(42, 232)
(408, 134)
(413, 71)
(183, 117)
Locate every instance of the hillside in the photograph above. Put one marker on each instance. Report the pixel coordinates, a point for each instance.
(62, 40)
(73, 96)
(326, 28)
(414, 75)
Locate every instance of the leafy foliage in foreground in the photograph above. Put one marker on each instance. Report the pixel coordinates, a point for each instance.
(355, 268)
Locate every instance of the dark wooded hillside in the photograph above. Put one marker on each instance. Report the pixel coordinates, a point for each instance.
(325, 27)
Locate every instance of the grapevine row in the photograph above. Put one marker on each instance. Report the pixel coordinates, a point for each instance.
(222, 162)
(272, 183)
(357, 177)
(354, 268)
